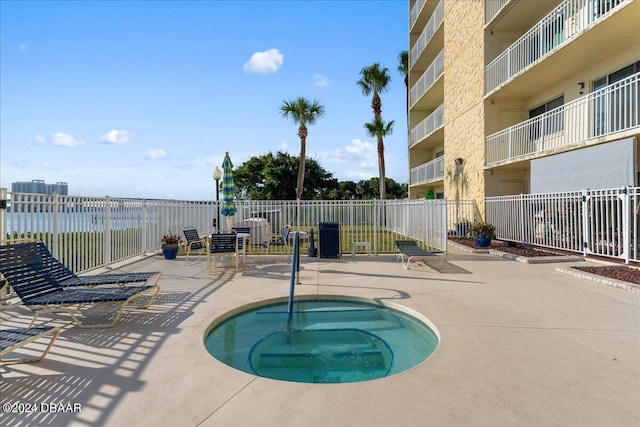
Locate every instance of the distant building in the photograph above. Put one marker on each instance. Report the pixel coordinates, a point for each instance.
(38, 186)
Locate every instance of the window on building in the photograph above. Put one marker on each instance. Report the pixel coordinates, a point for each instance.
(615, 108)
(547, 124)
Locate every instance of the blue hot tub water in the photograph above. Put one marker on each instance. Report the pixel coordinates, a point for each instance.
(324, 341)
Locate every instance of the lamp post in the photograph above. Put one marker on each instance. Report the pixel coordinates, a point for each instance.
(217, 175)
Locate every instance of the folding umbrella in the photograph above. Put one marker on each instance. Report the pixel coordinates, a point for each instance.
(228, 190)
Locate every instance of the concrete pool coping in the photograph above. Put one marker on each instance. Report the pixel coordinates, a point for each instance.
(522, 344)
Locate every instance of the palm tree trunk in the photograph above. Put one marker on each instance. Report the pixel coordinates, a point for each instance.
(303, 150)
(383, 189)
(376, 105)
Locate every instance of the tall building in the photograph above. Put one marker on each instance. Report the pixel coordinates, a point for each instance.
(38, 186)
(519, 96)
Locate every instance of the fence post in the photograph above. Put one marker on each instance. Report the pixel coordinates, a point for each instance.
(56, 229)
(3, 216)
(585, 223)
(143, 227)
(375, 227)
(626, 224)
(107, 231)
(522, 218)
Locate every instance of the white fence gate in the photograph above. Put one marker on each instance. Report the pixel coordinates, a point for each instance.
(592, 222)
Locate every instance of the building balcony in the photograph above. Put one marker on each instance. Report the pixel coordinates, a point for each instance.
(427, 127)
(419, 15)
(434, 23)
(611, 111)
(429, 79)
(492, 8)
(427, 172)
(580, 28)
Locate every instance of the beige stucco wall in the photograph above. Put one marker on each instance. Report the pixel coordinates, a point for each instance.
(463, 97)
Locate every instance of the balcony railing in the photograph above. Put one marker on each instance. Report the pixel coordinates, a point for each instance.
(429, 171)
(491, 9)
(429, 30)
(415, 11)
(431, 74)
(612, 109)
(560, 25)
(432, 123)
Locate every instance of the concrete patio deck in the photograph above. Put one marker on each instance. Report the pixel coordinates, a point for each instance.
(521, 344)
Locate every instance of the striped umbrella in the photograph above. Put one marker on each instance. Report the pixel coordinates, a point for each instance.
(228, 189)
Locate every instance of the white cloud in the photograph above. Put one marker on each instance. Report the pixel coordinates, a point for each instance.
(66, 140)
(155, 154)
(265, 62)
(284, 147)
(23, 47)
(117, 137)
(356, 161)
(40, 139)
(320, 80)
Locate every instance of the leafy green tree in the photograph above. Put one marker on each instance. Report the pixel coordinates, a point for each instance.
(378, 128)
(375, 80)
(303, 113)
(273, 177)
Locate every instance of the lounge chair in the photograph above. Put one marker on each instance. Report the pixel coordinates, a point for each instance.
(194, 241)
(13, 339)
(62, 275)
(410, 249)
(222, 244)
(42, 293)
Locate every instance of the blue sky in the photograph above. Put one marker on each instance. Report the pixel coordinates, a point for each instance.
(142, 99)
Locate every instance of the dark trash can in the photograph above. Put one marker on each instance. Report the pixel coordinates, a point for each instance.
(329, 239)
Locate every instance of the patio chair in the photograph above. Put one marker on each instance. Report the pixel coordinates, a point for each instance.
(41, 292)
(244, 241)
(222, 244)
(194, 241)
(13, 339)
(65, 277)
(410, 249)
(280, 240)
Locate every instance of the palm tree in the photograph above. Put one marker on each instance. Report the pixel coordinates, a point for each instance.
(375, 80)
(403, 68)
(378, 128)
(303, 112)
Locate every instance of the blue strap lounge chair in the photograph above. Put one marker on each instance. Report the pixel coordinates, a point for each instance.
(410, 249)
(65, 277)
(42, 293)
(13, 339)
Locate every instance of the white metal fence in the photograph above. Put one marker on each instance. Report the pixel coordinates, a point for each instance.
(89, 232)
(612, 109)
(563, 23)
(592, 222)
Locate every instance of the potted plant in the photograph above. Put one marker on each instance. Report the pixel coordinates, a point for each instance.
(482, 233)
(170, 243)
